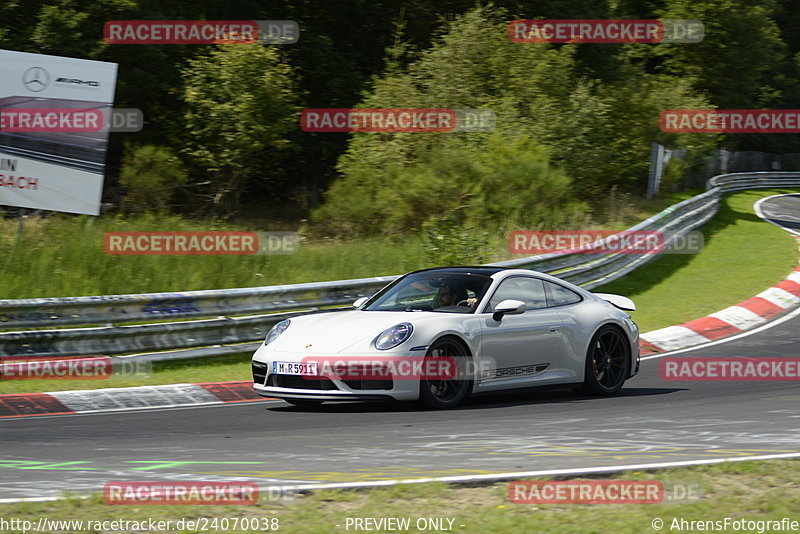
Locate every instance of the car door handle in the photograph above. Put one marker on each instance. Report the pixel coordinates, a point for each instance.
(554, 328)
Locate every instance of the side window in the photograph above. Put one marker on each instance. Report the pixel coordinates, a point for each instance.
(559, 295)
(528, 290)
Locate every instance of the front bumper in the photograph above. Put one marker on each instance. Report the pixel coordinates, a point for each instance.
(269, 384)
(302, 394)
(635, 350)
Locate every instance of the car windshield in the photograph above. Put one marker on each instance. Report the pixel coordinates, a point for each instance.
(439, 291)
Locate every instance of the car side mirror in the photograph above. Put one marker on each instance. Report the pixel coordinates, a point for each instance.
(360, 302)
(509, 307)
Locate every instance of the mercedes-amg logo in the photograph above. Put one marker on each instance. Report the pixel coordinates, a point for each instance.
(36, 79)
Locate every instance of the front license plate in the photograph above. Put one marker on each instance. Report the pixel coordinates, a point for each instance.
(295, 368)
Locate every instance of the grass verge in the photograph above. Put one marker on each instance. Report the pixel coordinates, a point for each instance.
(63, 255)
(751, 491)
(743, 256)
(233, 367)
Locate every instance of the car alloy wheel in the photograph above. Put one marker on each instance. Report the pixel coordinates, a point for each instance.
(607, 362)
(446, 393)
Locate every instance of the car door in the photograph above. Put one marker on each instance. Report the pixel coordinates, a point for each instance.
(567, 303)
(520, 348)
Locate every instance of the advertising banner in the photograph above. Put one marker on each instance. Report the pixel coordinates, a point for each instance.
(54, 122)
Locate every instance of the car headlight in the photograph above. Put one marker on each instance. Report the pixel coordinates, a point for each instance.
(392, 337)
(276, 331)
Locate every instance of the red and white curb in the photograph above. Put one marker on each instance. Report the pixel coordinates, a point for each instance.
(753, 312)
(128, 398)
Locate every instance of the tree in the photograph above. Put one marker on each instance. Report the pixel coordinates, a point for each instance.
(508, 184)
(151, 174)
(595, 133)
(240, 104)
(740, 54)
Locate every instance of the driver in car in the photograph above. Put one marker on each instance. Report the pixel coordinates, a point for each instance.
(451, 295)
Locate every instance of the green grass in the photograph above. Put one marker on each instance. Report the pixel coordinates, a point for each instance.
(63, 256)
(233, 367)
(743, 255)
(747, 490)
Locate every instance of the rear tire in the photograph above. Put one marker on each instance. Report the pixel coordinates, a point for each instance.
(607, 362)
(445, 394)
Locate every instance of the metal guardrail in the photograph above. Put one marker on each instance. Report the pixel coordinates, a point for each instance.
(753, 180)
(219, 334)
(114, 309)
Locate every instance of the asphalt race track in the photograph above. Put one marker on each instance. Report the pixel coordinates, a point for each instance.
(271, 442)
(783, 211)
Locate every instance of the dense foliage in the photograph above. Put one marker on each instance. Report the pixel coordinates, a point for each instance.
(573, 121)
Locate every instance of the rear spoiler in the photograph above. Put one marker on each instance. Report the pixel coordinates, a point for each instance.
(623, 303)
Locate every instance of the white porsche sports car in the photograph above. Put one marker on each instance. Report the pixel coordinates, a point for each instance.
(503, 329)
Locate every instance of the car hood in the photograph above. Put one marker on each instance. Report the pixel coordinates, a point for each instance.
(332, 333)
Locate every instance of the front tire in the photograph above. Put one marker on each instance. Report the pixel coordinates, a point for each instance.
(445, 394)
(607, 362)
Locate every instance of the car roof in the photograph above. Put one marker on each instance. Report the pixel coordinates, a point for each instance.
(492, 271)
(467, 269)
